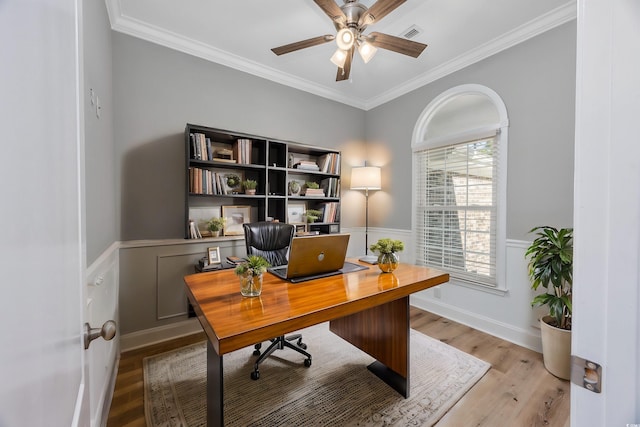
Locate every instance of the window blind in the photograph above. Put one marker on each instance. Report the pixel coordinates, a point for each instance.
(456, 209)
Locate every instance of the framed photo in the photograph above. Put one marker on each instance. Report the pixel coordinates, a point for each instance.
(202, 215)
(214, 255)
(295, 213)
(235, 216)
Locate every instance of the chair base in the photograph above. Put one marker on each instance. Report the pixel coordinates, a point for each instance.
(279, 343)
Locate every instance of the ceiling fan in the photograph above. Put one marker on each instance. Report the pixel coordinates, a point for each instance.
(350, 20)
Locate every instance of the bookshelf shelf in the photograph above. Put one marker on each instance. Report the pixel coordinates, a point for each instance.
(217, 161)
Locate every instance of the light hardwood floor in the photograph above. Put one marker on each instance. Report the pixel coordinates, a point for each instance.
(517, 391)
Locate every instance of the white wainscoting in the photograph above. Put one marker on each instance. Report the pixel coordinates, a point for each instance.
(103, 356)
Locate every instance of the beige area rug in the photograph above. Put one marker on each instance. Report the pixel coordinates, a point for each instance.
(337, 390)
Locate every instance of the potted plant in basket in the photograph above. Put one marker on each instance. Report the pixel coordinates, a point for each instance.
(250, 273)
(215, 225)
(551, 266)
(249, 186)
(387, 250)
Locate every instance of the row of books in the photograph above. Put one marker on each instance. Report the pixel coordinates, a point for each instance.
(330, 212)
(329, 163)
(331, 186)
(201, 148)
(204, 181)
(242, 151)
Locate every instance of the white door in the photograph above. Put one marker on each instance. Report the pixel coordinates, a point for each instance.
(42, 374)
(606, 299)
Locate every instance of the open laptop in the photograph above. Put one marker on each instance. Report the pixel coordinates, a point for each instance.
(312, 257)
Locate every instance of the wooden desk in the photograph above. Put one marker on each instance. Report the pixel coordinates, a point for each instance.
(367, 308)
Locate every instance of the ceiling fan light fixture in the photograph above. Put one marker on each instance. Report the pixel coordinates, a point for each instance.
(345, 39)
(367, 51)
(339, 57)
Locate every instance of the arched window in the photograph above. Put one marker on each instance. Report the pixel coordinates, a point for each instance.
(459, 162)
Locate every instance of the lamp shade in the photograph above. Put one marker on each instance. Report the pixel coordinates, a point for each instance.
(366, 178)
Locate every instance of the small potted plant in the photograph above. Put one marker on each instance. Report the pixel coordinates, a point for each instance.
(312, 215)
(312, 189)
(387, 250)
(215, 225)
(551, 266)
(249, 186)
(250, 273)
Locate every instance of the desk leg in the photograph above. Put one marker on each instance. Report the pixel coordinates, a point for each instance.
(383, 333)
(215, 398)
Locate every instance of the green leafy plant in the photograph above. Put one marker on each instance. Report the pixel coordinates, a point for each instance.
(254, 266)
(312, 215)
(249, 184)
(313, 185)
(387, 246)
(551, 266)
(215, 224)
(233, 180)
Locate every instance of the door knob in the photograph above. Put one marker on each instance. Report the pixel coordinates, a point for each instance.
(108, 331)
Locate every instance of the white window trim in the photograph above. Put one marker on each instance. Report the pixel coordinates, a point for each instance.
(501, 130)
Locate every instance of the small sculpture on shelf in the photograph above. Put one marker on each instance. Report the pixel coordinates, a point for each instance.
(294, 188)
(250, 186)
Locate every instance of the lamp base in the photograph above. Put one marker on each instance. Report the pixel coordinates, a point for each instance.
(369, 259)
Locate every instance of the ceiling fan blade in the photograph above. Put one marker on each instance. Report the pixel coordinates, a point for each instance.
(343, 73)
(332, 10)
(378, 10)
(303, 44)
(396, 44)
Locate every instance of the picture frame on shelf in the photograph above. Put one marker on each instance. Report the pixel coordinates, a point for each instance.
(202, 215)
(213, 255)
(232, 182)
(295, 213)
(235, 216)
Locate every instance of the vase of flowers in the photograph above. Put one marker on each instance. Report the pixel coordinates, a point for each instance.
(250, 273)
(387, 250)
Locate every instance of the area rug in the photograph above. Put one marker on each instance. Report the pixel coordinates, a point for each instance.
(337, 390)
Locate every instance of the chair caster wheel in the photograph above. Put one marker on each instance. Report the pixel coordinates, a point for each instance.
(256, 352)
(255, 375)
(307, 362)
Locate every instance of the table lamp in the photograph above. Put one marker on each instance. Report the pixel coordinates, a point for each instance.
(366, 178)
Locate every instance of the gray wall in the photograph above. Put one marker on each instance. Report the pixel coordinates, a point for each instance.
(536, 80)
(158, 90)
(100, 190)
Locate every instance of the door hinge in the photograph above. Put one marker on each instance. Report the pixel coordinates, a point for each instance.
(586, 373)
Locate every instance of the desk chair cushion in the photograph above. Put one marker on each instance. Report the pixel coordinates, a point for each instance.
(270, 240)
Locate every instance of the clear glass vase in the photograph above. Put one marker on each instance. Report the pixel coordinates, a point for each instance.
(387, 262)
(250, 286)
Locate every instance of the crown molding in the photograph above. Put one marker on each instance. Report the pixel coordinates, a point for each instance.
(543, 23)
(142, 30)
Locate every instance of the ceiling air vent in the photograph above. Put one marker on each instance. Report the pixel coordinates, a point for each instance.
(411, 32)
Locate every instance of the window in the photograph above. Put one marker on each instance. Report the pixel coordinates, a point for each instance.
(459, 192)
(456, 209)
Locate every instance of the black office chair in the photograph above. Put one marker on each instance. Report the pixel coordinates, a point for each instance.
(271, 240)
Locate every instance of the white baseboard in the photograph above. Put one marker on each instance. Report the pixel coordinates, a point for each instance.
(160, 334)
(501, 330)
